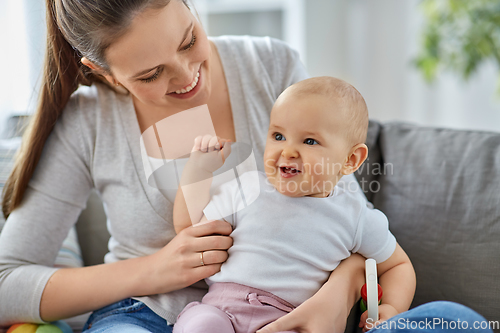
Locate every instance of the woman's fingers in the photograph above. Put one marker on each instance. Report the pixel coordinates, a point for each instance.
(215, 242)
(211, 240)
(215, 227)
(286, 323)
(203, 272)
(209, 258)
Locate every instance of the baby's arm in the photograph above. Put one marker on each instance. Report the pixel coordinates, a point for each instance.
(397, 279)
(208, 154)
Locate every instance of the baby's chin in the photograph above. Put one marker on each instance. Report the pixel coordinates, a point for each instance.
(298, 191)
(282, 188)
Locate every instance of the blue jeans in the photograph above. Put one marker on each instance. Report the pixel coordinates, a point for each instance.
(126, 316)
(133, 316)
(440, 316)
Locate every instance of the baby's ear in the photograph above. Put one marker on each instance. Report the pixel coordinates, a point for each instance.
(357, 155)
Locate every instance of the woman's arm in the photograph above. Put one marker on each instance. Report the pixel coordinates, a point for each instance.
(328, 309)
(74, 291)
(32, 236)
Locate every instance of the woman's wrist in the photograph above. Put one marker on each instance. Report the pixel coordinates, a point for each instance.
(153, 278)
(98, 286)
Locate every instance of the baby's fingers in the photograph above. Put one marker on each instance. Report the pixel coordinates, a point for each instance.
(205, 143)
(197, 143)
(365, 323)
(213, 144)
(362, 319)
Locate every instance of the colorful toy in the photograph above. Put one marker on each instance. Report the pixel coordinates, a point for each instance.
(362, 303)
(55, 327)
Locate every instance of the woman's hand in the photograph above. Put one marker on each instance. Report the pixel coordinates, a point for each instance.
(328, 309)
(175, 266)
(179, 263)
(385, 312)
(312, 316)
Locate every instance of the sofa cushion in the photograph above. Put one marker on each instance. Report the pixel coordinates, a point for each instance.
(440, 189)
(93, 234)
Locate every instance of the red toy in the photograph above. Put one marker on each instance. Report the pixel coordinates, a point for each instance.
(362, 304)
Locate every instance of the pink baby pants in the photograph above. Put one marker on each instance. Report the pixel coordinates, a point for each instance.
(231, 308)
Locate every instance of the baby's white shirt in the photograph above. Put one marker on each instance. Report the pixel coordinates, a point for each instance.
(288, 246)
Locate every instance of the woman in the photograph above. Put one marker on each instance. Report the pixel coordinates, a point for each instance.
(152, 49)
(157, 52)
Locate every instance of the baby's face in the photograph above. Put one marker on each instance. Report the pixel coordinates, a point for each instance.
(306, 146)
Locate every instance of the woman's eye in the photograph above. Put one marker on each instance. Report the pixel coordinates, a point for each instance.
(153, 77)
(191, 43)
(279, 137)
(310, 142)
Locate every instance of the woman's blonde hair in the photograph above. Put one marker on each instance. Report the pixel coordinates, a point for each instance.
(75, 29)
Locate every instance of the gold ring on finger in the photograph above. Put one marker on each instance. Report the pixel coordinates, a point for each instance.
(201, 259)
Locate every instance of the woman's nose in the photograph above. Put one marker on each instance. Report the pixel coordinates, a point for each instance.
(289, 152)
(183, 76)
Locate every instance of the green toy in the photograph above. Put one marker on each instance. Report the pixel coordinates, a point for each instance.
(55, 327)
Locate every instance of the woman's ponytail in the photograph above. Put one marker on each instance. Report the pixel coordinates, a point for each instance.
(90, 27)
(61, 77)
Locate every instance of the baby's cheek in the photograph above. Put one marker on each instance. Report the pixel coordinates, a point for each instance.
(316, 168)
(269, 162)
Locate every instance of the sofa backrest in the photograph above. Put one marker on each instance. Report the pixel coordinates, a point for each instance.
(440, 189)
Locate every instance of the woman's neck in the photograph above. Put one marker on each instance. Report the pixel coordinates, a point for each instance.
(219, 103)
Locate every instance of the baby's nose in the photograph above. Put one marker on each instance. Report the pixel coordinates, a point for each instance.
(289, 152)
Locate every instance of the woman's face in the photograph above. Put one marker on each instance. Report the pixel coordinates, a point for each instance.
(163, 59)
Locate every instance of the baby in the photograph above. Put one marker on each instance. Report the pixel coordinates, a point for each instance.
(301, 224)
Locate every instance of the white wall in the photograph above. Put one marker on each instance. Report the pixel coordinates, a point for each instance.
(22, 37)
(370, 43)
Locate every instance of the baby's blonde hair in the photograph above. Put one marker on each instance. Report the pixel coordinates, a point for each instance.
(342, 95)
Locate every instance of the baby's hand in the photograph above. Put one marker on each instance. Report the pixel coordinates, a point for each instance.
(210, 152)
(385, 312)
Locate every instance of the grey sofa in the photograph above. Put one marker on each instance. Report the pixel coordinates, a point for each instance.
(440, 189)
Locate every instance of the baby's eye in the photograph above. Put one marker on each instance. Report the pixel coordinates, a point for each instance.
(310, 142)
(279, 137)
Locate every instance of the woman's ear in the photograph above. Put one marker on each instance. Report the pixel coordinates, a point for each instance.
(98, 70)
(357, 155)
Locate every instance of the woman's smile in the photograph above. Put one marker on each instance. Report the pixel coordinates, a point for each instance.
(190, 90)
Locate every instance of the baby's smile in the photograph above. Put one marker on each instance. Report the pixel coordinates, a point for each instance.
(288, 172)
